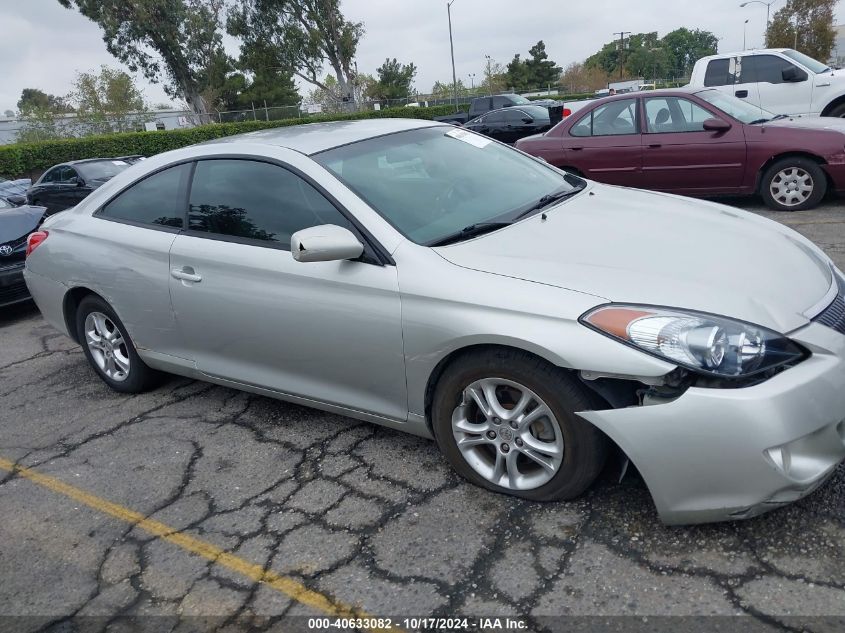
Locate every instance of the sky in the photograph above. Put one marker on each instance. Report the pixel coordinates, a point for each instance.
(45, 45)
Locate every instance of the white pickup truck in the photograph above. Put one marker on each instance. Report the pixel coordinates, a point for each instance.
(779, 80)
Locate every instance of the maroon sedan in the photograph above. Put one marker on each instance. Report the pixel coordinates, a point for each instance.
(701, 143)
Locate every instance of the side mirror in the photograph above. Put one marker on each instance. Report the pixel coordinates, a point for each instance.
(325, 243)
(716, 125)
(80, 183)
(793, 74)
(528, 119)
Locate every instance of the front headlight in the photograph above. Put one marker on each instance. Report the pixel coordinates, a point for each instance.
(701, 342)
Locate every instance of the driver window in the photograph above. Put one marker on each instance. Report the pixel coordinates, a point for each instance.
(674, 114)
(67, 175)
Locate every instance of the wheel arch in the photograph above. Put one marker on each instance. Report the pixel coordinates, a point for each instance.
(70, 304)
(471, 348)
(796, 153)
(838, 101)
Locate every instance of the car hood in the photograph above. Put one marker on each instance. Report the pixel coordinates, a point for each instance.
(808, 123)
(626, 245)
(20, 221)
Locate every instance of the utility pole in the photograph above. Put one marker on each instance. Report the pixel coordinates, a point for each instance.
(621, 35)
(452, 49)
(489, 75)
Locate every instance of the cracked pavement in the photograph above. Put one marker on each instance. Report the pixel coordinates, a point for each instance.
(366, 516)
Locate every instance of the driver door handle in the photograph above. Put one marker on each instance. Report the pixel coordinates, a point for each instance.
(742, 94)
(655, 145)
(186, 273)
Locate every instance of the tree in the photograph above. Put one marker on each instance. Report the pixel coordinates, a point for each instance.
(516, 74)
(300, 36)
(39, 124)
(540, 69)
(35, 98)
(8, 114)
(495, 78)
(577, 77)
(107, 102)
(443, 90)
(685, 47)
(810, 21)
(394, 80)
(536, 71)
(181, 39)
(644, 54)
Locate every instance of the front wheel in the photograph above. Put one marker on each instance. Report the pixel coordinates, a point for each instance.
(506, 421)
(793, 184)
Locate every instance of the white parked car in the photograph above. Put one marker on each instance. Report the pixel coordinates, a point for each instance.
(779, 80)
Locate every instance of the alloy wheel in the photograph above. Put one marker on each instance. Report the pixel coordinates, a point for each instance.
(508, 434)
(791, 186)
(107, 346)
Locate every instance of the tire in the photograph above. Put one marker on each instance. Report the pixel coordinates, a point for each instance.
(583, 448)
(114, 359)
(776, 185)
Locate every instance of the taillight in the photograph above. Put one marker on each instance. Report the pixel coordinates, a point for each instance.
(566, 112)
(33, 240)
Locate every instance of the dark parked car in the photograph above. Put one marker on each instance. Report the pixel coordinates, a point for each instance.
(699, 142)
(16, 223)
(483, 105)
(64, 185)
(511, 124)
(14, 191)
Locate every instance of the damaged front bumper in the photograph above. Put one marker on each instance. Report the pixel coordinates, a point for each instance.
(722, 454)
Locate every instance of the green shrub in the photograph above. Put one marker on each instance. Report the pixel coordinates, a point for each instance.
(25, 159)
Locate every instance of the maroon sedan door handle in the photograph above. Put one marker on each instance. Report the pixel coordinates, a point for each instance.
(654, 145)
(576, 149)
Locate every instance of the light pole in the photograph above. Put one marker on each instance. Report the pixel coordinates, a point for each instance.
(768, 9)
(472, 81)
(744, 24)
(489, 74)
(452, 49)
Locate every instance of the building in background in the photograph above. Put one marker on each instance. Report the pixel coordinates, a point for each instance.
(159, 120)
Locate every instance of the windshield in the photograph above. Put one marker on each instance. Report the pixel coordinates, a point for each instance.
(101, 170)
(433, 182)
(805, 60)
(737, 108)
(519, 99)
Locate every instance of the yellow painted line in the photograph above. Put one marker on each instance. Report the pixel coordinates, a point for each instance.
(283, 584)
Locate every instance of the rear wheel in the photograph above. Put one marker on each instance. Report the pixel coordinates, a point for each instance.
(109, 349)
(793, 183)
(506, 421)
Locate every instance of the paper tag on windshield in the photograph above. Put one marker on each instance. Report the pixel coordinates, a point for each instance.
(119, 162)
(469, 137)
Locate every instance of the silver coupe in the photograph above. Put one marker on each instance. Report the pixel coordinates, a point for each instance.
(432, 280)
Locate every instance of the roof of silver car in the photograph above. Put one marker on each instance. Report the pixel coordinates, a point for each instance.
(312, 138)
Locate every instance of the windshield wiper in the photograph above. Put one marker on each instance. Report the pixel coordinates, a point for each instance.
(774, 118)
(479, 228)
(550, 198)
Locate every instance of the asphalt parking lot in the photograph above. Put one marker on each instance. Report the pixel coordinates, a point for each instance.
(203, 502)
